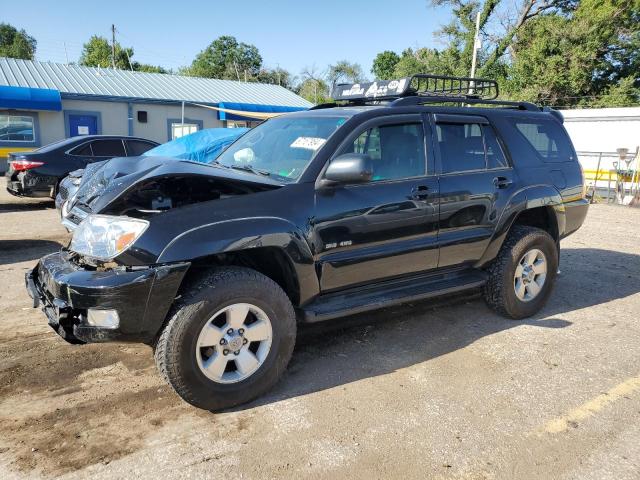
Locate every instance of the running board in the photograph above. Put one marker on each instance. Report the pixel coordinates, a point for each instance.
(386, 294)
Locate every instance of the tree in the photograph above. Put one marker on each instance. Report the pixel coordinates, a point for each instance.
(144, 67)
(314, 90)
(586, 58)
(276, 76)
(16, 43)
(384, 65)
(225, 58)
(343, 72)
(97, 53)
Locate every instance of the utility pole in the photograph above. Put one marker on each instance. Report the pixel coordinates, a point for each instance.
(113, 46)
(476, 47)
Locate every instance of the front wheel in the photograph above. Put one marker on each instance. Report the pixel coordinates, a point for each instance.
(228, 340)
(522, 275)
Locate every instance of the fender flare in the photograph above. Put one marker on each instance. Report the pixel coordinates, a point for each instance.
(236, 235)
(533, 196)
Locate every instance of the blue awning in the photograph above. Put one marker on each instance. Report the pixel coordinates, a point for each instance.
(251, 107)
(30, 98)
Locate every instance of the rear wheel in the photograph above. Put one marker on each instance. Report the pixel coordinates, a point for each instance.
(228, 340)
(522, 275)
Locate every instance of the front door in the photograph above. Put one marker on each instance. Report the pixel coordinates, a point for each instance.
(476, 182)
(387, 227)
(84, 124)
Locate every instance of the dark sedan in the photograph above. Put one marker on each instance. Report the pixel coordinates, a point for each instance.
(38, 173)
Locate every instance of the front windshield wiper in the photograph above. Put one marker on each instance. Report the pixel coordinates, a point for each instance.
(249, 168)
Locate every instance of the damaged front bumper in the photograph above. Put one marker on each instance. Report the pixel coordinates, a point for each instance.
(66, 292)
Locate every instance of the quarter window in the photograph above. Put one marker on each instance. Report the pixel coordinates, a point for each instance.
(17, 128)
(547, 139)
(468, 146)
(84, 150)
(396, 151)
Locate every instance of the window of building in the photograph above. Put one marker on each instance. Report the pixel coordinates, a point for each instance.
(547, 139)
(181, 129)
(396, 151)
(17, 128)
(108, 148)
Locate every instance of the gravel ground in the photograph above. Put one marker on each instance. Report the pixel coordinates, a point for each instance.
(420, 391)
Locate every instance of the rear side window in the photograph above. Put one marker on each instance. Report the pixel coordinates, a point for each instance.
(108, 148)
(547, 139)
(136, 147)
(468, 146)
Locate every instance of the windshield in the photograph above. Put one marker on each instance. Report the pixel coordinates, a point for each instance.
(281, 147)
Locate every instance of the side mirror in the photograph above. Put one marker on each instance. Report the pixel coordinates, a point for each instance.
(349, 168)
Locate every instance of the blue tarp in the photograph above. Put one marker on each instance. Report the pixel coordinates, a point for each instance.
(30, 98)
(202, 146)
(250, 107)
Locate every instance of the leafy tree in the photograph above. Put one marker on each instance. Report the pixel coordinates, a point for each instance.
(384, 65)
(314, 90)
(225, 58)
(144, 67)
(16, 43)
(343, 72)
(97, 53)
(571, 60)
(276, 76)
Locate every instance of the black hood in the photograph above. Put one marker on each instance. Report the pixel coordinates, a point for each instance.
(120, 177)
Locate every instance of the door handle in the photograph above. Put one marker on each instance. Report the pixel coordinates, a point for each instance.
(502, 182)
(421, 192)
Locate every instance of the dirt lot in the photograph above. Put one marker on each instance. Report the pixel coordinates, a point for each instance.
(449, 391)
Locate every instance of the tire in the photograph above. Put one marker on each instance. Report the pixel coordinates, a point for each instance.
(181, 360)
(502, 292)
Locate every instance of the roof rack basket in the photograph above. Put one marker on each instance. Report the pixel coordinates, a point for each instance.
(436, 85)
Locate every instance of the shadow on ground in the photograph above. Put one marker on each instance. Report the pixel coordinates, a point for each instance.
(16, 251)
(372, 344)
(26, 205)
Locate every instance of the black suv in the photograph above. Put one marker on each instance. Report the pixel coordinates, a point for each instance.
(401, 190)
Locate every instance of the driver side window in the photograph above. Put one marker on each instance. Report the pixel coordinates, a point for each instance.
(396, 151)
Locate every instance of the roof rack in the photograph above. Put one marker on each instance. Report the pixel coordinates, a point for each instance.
(423, 100)
(420, 84)
(424, 88)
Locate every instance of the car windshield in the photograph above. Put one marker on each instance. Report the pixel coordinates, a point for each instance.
(281, 147)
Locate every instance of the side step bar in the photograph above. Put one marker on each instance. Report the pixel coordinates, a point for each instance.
(386, 294)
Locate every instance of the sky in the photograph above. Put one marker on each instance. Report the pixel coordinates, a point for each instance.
(290, 34)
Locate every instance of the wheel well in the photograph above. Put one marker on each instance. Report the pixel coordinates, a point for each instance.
(270, 261)
(539, 217)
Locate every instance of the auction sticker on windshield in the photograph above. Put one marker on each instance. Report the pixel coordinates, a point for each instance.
(309, 143)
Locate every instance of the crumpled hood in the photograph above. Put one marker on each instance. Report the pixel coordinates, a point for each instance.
(122, 174)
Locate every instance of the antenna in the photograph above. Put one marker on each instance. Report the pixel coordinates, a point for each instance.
(113, 46)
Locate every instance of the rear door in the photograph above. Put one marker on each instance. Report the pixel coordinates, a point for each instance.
(476, 181)
(387, 227)
(137, 147)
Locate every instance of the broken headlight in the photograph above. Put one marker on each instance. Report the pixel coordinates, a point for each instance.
(104, 237)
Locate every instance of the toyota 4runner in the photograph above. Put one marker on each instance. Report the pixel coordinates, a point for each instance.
(399, 191)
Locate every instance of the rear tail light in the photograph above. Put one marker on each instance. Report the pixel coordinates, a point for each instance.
(22, 165)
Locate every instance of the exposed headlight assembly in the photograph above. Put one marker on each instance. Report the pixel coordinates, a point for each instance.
(104, 237)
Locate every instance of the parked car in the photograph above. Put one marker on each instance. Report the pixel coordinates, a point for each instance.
(216, 265)
(201, 146)
(38, 173)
